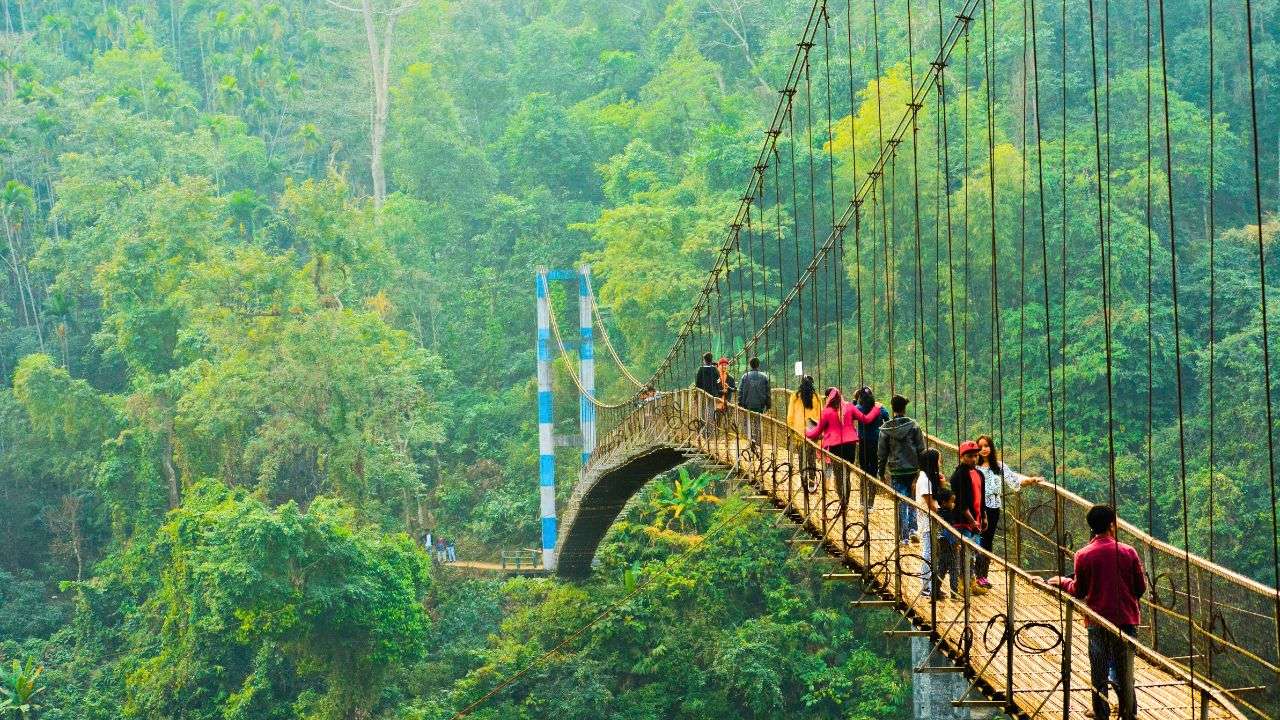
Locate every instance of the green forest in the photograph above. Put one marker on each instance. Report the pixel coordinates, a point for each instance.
(268, 317)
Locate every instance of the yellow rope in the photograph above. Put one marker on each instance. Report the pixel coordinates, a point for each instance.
(573, 374)
(604, 336)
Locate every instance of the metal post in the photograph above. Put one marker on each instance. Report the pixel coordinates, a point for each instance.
(1066, 662)
(866, 525)
(1014, 521)
(966, 587)
(587, 364)
(546, 429)
(1011, 627)
(897, 546)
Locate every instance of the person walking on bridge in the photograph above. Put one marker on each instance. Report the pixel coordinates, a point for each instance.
(869, 439)
(928, 482)
(708, 381)
(838, 429)
(1110, 579)
(755, 396)
(804, 408)
(997, 478)
(898, 450)
(726, 388)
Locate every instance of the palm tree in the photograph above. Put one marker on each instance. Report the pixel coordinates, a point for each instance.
(678, 502)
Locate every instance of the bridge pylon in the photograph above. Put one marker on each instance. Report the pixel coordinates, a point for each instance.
(547, 440)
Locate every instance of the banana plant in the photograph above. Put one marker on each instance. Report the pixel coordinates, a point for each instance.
(19, 684)
(679, 501)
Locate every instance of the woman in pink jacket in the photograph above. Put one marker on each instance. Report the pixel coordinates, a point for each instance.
(838, 430)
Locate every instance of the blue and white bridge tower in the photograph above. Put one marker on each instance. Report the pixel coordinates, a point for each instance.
(547, 439)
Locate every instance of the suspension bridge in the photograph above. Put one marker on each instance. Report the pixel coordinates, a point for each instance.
(942, 178)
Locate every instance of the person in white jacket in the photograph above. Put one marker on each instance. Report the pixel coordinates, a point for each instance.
(928, 482)
(997, 478)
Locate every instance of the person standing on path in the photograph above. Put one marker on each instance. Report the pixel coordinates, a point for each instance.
(869, 439)
(708, 381)
(1109, 579)
(968, 485)
(726, 388)
(838, 430)
(451, 551)
(997, 478)
(928, 482)
(948, 563)
(755, 396)
(804, 408)
(898, 451)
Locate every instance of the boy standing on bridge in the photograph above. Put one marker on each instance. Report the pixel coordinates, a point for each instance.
(947, 566)
(901, 443)
(1110, 580)
(754, 395)
(969, 486)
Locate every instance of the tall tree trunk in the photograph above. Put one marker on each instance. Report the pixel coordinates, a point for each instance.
(170, 472)
(379, 75)
(17, 260)
(13, 266)
(77, 539)
(175, 20)
(422, 517)
(379, 70)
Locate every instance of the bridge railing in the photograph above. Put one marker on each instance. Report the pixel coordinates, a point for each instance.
(1236, 670)
(1038, 510)
(1232, 638)
(1235, 638)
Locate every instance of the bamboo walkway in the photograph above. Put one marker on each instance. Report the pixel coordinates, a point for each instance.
(970, 629)
(1036, 687)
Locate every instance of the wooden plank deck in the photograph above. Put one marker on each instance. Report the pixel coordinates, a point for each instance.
(1039, 616)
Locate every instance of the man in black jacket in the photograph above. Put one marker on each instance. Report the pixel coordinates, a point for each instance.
(754, 394)
(708, 381)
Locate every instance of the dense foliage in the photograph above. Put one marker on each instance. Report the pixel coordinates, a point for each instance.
(722, 622)
(267, 317)
(242, 373)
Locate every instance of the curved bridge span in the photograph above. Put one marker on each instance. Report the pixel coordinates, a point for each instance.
(1047, 661)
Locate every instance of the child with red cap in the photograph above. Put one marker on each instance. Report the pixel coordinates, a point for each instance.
(968, 485)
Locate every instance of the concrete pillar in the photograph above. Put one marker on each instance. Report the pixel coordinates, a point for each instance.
(932, 693)
(546, 430)
(586, 364)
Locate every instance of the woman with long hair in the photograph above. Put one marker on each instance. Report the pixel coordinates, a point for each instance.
(838, 430)
(997, 478)
(804, 408)
(869, 439)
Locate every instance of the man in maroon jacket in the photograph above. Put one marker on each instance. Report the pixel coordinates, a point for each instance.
(1109, 578)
